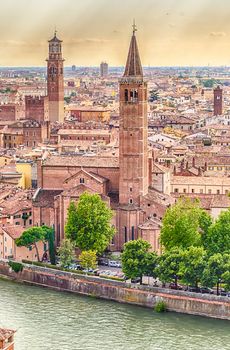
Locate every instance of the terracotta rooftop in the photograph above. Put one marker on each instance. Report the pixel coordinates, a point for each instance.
(14, 231)
(6, 333)
(82, 161)
(200, 180)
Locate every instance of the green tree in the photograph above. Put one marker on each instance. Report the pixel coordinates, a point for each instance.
(93, 223)
(192, 265)
(218, 238)
(71, 223)
(215, 268)
(88, 259)
(66, 252)
(183, 224)
(168, 269)
(50, 238)
(30, 238)
(151, 264)
(134, 258)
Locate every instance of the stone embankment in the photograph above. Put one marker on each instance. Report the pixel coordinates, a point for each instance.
(178, 301)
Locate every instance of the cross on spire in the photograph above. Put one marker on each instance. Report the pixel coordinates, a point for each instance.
(133, 66)
(134, 27)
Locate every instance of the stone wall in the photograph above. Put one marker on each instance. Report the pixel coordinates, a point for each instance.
(178, 301)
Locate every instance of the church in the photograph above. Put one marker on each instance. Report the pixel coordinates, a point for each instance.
(136, 188)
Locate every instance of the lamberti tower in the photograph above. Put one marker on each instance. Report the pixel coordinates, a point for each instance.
(133, 153)
(55, 81)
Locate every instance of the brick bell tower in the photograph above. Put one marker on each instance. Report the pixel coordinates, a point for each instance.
(133, 148)
(55, 81)
(218, 101)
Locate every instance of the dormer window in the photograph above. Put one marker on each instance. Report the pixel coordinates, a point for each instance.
(82, 180)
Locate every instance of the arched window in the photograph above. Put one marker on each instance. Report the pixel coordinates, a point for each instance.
(126, 95)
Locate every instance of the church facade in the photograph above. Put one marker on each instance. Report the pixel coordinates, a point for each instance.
(131, 184)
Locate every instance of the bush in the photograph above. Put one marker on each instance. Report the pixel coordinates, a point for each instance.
(160, 306)
(16, 267)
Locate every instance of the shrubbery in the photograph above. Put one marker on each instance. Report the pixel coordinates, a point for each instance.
(16, 266)
(160, 306)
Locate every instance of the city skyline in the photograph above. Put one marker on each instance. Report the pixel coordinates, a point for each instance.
(170, 34)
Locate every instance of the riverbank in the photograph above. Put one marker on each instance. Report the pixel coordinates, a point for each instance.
(177, 301)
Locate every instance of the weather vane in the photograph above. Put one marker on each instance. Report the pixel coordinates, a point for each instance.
(134, 27)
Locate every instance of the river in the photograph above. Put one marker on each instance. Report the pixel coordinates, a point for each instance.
(46, 319)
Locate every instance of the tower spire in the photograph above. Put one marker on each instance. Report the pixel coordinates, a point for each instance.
(133, 66)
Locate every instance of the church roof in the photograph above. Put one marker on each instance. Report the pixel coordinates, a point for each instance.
(133, 66)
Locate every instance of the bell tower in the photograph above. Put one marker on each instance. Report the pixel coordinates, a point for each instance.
(55, 81)
(218, 101)
(133, 147)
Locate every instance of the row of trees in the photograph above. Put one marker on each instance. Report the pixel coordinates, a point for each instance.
(186, 224)
(195, 248)
(193, 266)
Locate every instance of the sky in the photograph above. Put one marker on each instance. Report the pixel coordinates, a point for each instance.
(170, 32)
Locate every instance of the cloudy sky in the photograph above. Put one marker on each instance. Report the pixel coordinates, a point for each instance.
(170, 32)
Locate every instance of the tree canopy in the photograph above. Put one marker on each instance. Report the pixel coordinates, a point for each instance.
(169, 265)
(30, 238)
(90, 226)
(88, 259)
(183, 224)
(71, 223)
(217, 239)
(66, 253)
(135, 258)
(192, 265)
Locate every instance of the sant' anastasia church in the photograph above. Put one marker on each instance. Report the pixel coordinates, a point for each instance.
(137, 189)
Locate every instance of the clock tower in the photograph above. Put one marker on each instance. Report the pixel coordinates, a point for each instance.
(55, 81)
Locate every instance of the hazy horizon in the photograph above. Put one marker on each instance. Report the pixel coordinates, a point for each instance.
(170, 33)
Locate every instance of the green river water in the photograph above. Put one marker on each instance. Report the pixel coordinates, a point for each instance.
(50, 320)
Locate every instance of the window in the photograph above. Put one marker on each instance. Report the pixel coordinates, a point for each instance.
(217, 191)
(130, 189)
(226, 191)
(201, 190)
(209, 191)
(130, 201)
(126, 95)
(175, 190)
(125, 231)
(30, 222)
(184, 190)
(148, 204)
(17, 223)
(192, 190)
(82, 180)
(219, 168)
(132, 233)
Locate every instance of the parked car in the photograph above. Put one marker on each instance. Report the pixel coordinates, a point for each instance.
(103, 261)
(193, 289)
(113, 263)
(135, 280)
(173, 285)
(206, 290)
(224, 293)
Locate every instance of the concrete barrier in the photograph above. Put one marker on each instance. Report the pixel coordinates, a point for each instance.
(178, 301)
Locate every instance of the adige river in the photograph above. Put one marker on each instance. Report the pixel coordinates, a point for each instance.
(50, 320)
